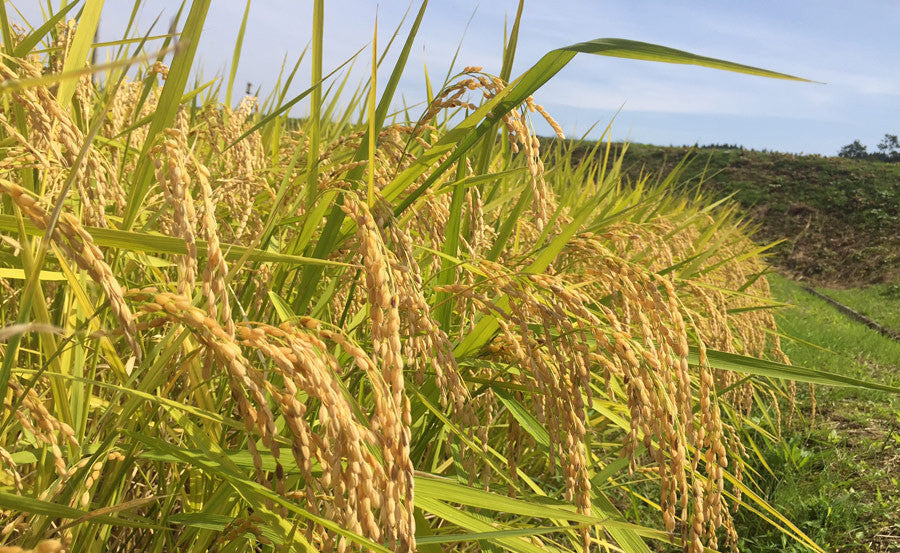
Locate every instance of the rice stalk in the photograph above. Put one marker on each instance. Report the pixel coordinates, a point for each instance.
(265, 402)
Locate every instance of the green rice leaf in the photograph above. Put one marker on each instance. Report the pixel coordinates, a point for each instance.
(761, 367)
(236, 56)
(76, 59)
(472, 524)
(32, 40)
(524, 417)
(169, 104)
(160, 244)
(446, 490)
(24, 504)
(636, 50)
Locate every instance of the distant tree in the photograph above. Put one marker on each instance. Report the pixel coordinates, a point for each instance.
(889, 148)
(717, 146)
(854, 150)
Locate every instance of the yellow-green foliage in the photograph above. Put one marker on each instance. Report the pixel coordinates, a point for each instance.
(201, 352)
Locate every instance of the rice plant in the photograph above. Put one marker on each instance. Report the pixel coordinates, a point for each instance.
(227, 329)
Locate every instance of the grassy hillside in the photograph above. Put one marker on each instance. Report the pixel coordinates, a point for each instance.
(841, 217)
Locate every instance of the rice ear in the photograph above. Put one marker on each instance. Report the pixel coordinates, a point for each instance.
(333, 395)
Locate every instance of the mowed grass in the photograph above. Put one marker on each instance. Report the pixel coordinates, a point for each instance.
(880, 302)
(838, 477)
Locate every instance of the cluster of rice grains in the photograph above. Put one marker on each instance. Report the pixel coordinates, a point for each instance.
(354, 485)
(595, 325)
(54, 141)
(515, 122)
(637, 345)
(646, 353)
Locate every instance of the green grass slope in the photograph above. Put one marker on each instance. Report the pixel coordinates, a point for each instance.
(838, 477)
(841, 217)
(880, 302)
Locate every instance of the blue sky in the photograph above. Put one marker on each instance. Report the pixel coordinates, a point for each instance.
(850, 46)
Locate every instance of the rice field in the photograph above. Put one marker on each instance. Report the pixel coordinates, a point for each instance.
(226, 328)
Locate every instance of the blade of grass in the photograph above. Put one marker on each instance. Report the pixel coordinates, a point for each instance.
(6, 29)
(13, 85)
(328, 238)
(160, 244)
(315, 105)
(23, 504)
(236, 56)
(77, 57)
(285, 107)
(761, 367)
(373, 90)
(168, 103)
(32, 40)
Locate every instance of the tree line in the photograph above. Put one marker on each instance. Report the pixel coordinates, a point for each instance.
(887, 150)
